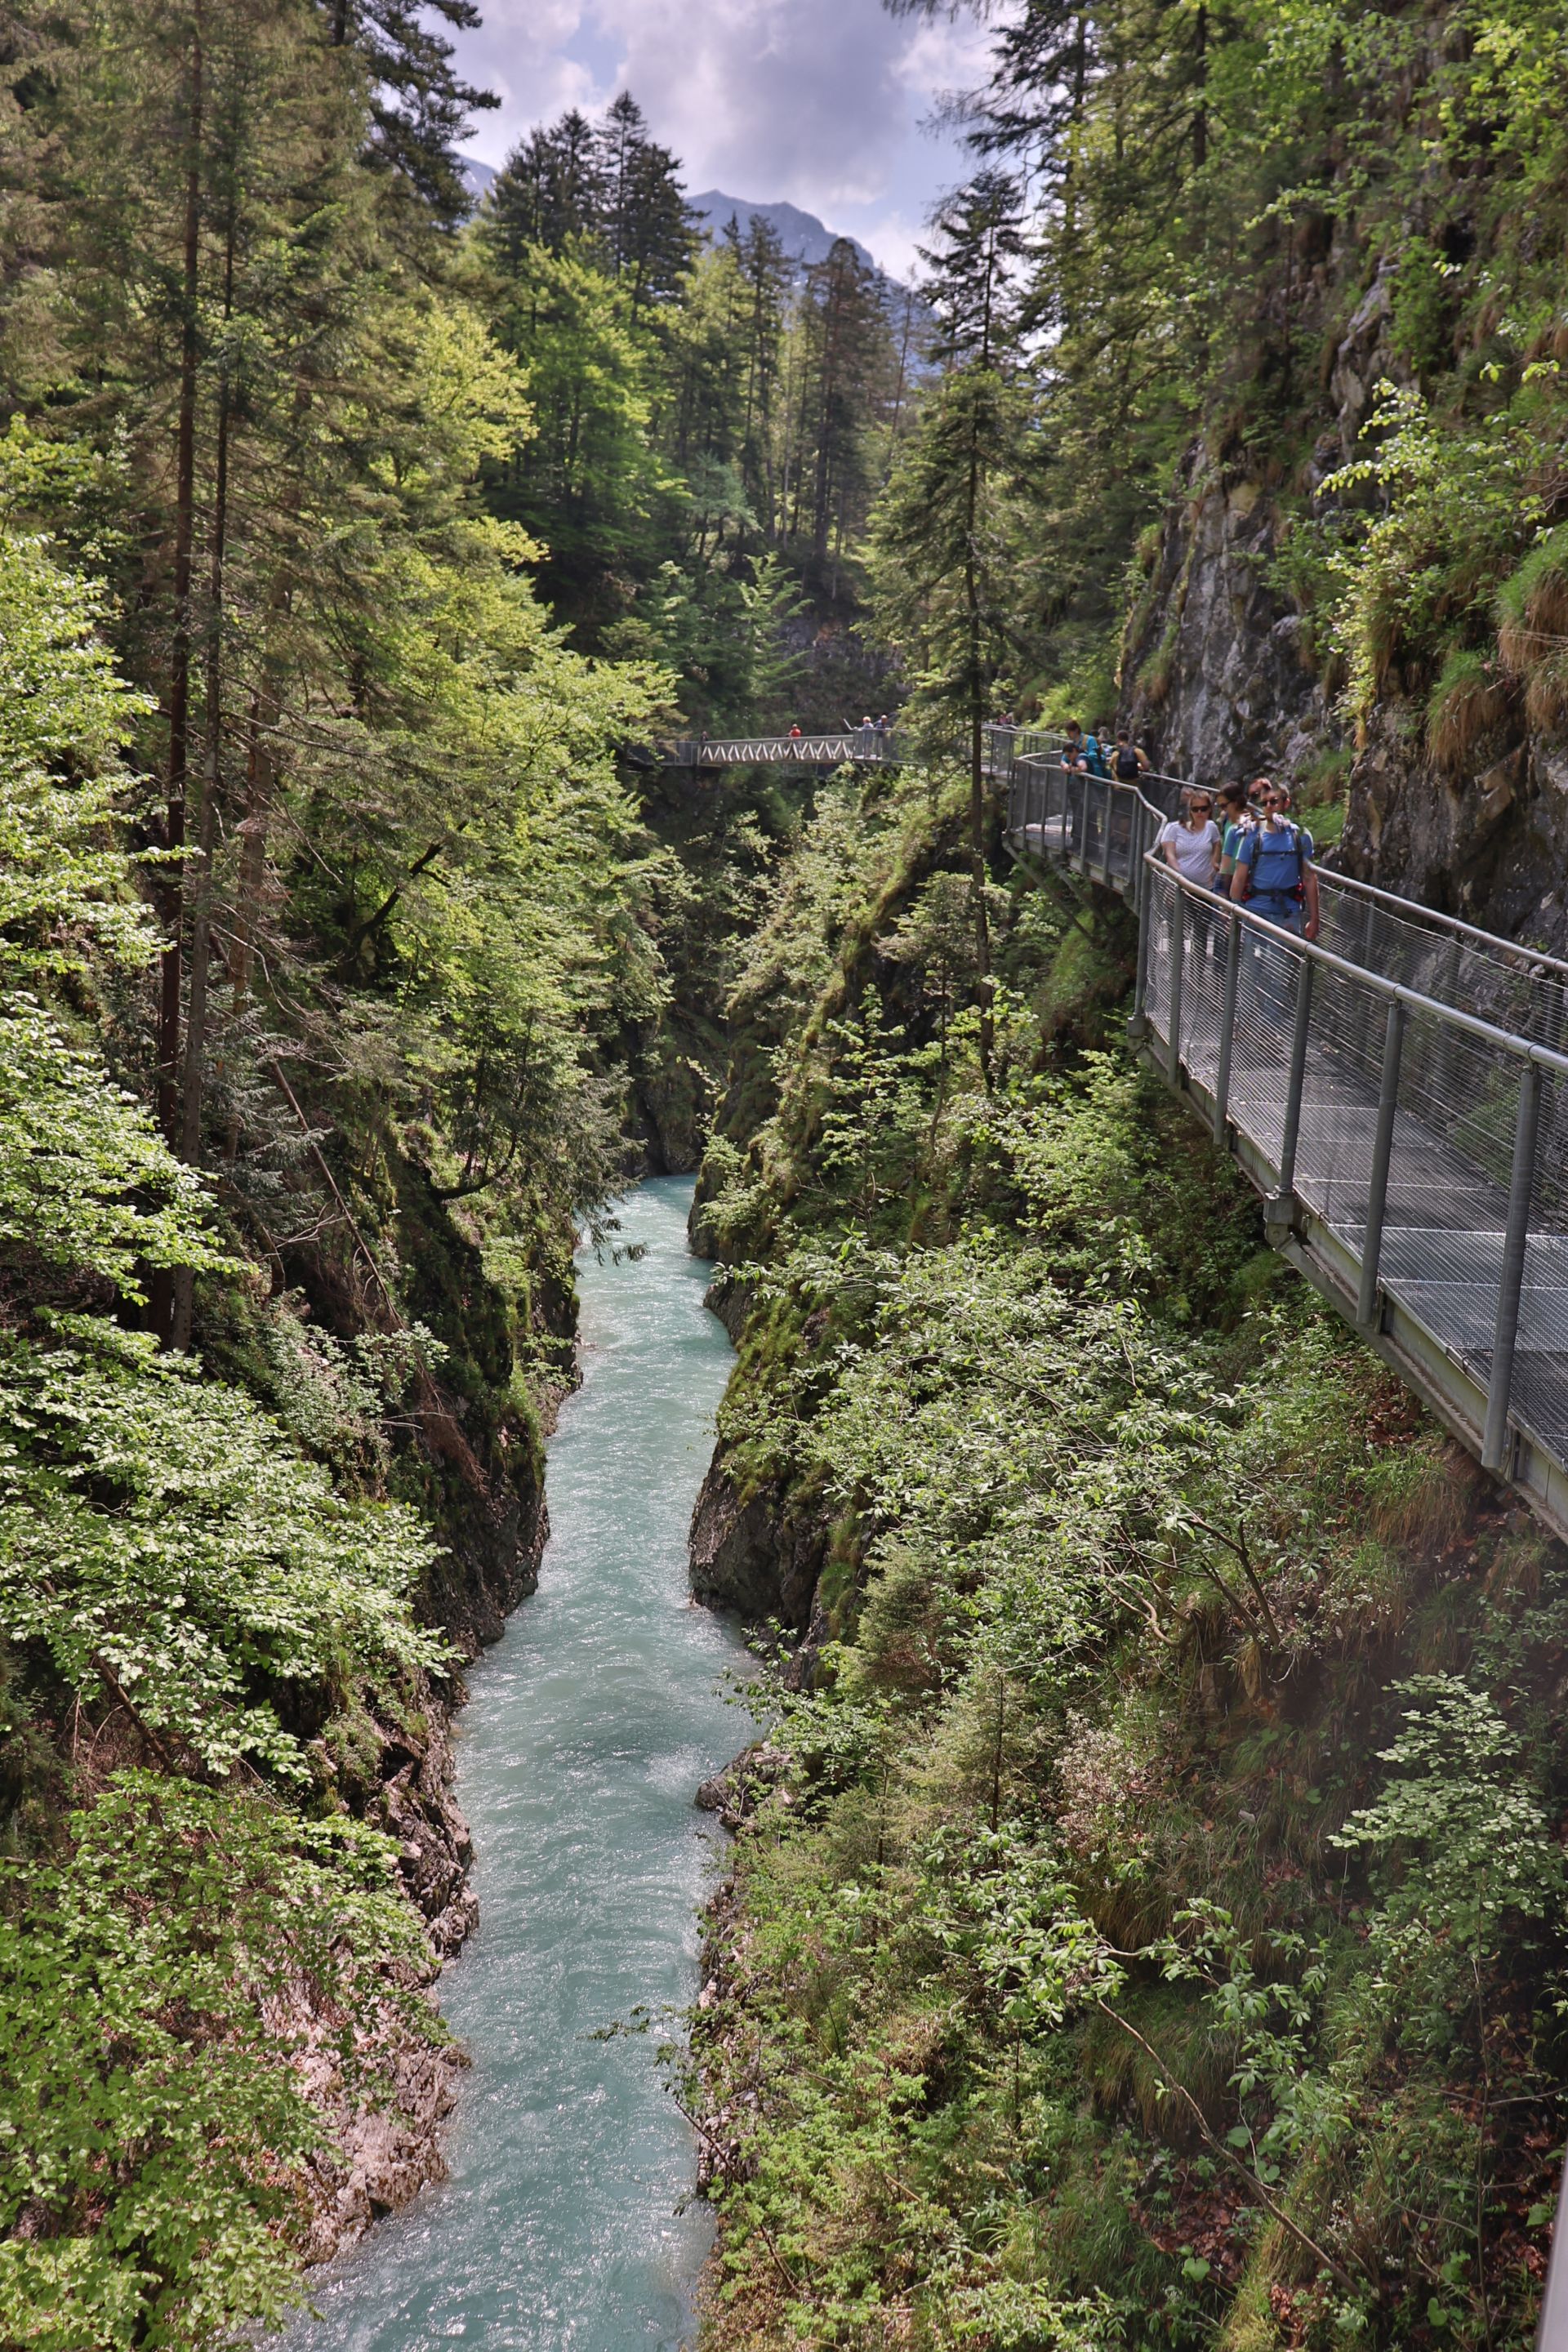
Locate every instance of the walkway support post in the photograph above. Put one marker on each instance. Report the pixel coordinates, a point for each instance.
(1382, 1152)
(1143, 898)
(1173, 1007)
(1228, 1025)
(1296, 1083)
(1516, 1237)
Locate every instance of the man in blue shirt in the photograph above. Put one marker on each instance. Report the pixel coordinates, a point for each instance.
(1275, 876)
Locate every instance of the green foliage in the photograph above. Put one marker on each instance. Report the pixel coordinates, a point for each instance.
(158, 1525)
(1114, 1964)
(1464, 1839)
(64, 715)
(85, 1181)
(159, 1991)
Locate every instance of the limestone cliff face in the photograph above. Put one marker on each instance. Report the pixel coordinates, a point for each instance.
(1220, 668)
(379, 2154)
(1223, 678)
(759, 1554)
(1490, 844)
(1220, 673)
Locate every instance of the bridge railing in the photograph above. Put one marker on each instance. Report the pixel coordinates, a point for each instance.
(1397, 1090)
(853, 746)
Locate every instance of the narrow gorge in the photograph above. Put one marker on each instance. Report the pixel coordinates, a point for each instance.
(702, 1640)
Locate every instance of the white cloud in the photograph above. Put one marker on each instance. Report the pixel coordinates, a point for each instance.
(817, 101)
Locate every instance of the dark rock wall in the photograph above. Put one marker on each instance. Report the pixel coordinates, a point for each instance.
(1223, 677)
(759, 1554)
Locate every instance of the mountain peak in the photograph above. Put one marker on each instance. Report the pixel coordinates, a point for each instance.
(803, 237)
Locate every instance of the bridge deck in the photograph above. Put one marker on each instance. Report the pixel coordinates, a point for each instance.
(1434, 1143)
(847, 747)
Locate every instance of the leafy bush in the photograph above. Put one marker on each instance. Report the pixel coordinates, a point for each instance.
(159, 1989)
(162, 1537)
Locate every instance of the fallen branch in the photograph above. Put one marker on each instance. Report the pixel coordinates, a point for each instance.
(1336, 2270)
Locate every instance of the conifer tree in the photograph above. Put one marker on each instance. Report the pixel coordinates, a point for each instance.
(419, 104)
(550, 192)
(647, 229)
(944, 550)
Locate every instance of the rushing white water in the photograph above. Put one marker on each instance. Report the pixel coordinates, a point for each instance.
(588, 1728)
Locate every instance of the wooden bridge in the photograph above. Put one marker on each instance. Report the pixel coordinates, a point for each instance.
(1397, 1091)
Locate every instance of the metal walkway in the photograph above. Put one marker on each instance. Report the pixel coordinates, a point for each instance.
(1397, 1091)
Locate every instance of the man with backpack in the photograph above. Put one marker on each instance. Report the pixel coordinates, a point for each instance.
(1274, 876)
(1094, 758)
(1128, 763)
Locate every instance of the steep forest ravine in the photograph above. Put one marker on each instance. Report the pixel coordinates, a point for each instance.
(1148, 1913)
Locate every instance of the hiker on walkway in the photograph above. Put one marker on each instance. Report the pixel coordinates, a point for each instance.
(1275, 876)
(1128, 763)
(1235, 820)
(1094, 758)
(1190, 842)
(1072, 747)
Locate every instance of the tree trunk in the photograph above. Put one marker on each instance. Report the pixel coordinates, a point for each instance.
(161, 1306)
(977, 765)
(1201, 77)
(202, 875)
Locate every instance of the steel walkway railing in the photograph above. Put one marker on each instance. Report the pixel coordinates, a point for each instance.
(1397, 1090)
(857, 746)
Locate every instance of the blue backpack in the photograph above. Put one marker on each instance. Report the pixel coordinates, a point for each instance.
(1095, 756)
(1276, 862)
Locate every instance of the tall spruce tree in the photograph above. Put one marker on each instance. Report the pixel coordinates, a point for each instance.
(550, 192)
(420, 103)
(646, 228)
(945, 538)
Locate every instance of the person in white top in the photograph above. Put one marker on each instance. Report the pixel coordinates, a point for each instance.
(1191, 843)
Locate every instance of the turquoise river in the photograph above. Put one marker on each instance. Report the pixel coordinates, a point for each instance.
(589, 1725)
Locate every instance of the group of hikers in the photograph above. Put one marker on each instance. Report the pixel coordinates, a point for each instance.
(1095, 754)
(1256, 853)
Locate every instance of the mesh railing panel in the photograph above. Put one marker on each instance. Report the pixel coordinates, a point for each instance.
(1445, 1194)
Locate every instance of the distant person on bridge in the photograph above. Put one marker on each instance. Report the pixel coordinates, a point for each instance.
(1190, 844)
(795, 732)
(1275, 876)
(1128, 762)
(1095, 747)
(1072, 747)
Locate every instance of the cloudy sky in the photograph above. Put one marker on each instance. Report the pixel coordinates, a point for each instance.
(817, 102)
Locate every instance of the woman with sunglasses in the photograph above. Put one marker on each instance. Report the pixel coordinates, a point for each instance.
(1191, 844)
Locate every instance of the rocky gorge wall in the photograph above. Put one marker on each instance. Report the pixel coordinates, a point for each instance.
(1227, 673)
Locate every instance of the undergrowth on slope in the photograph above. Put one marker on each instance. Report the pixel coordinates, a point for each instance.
(1156, 1937)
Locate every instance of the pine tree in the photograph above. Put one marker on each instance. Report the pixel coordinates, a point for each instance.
(419, 105)
(648, 229)
(845, 382)
(766, 277)
(945, 536)
(551, 193)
